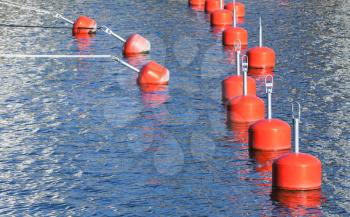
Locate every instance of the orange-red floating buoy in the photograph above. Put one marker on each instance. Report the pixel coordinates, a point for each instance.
(270, 134)
(297, 171)
(153, 73)
(261, 57)
(232, 34)
(84, 25)
(196, 2)
(246, 108)
(136, 44)
(221, 18)
(240, 8)
(212, 5)
(232, 86)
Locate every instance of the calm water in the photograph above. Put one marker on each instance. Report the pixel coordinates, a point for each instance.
(80, 138)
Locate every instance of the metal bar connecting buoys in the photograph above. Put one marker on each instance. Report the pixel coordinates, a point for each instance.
(212, 5)
(232, 34)
(221, 17)
(196, 2)
(152, 73)
(297, 171)
(84, 25)
(238, 7)
(232, 86)
(270, 134)
(246, 108)
(261, 57)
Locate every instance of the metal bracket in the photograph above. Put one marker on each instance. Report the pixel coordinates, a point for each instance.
(296, 114)
(245, 63)
(269, 83)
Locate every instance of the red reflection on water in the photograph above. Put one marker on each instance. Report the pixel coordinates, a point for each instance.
(264, 159)
(217, 30)
(240, 132)
(137, 60)
(260, 72)
(300, 202)
(154, 95)
(197, 7)
(84, 41)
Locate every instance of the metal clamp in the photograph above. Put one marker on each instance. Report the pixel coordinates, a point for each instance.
(106, 30)
(269, 83)
(245, 63)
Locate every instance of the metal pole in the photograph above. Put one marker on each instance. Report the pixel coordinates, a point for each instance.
(110, 32)
(269, 90)
(260, 33)
(245, 70)
(296, 120)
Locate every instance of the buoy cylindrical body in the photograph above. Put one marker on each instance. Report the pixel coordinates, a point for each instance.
(240, 8)
(212, 5)
(246, 109)
(261, 57)
(153, 73)
(233, 34)
(136, 44)
(196, 2)
(297, 171)
(84, 25)
(232, 86)
(270, 135)
(260, 72)
(221, 18)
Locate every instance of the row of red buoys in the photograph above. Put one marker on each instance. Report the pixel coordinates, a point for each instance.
(151, 73)
(291, 171)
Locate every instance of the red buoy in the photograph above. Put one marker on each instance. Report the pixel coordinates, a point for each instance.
(221, 18)
(212, 5)
(246, 108)
(239, 7)
(261, 57)
(233, 34)
(270, 134)
(136, 44)
(153, 73)
(232, 86)
(258, 73)
(297, 171)
(196, 2)
(84, 25)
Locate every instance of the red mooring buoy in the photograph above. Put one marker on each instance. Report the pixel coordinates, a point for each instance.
(84, 25)
(153, 73)
(233, 34)
(297, 171)
(270, 134)
(212, 5)
(221, 17)
(135, 44)
(239, 7)
(246, 108)
(196, 2)
(232, 86)
(261, 57)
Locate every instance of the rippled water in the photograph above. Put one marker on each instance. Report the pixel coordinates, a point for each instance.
(80, 138)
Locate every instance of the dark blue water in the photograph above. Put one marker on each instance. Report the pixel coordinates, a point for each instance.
(78, 137)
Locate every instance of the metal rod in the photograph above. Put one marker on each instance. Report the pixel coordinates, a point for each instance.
(110, 32)
(234, 16)
(59, 16)
(221, 5)
(54, 56)
(245, 70)
(296, 121)
(125, 63)
(269, 107)
(260, 33)
(238, 62)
